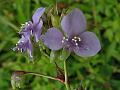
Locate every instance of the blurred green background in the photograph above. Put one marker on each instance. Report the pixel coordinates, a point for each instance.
(101, 72)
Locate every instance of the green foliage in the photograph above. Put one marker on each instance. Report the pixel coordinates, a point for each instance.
(101, 72)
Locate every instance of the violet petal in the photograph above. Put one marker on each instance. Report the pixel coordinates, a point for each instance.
(38, 13)
(89, 45)
(37, 30)
(26, 29)
(30, 49)
(24, 44)
(74, 23)
(53, 39)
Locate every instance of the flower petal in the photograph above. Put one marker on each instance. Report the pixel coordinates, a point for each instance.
(37, 30)
(24, 44)
(74, 23)
(26, 29)
(38, 13)
(53, 39)
(30, 49)
(89, 45)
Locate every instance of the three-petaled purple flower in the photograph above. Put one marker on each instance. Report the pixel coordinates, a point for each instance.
(83, 43)
(30, 28)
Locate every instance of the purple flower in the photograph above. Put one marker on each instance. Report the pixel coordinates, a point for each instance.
(24, 44)
(34, 27)
(83, 43)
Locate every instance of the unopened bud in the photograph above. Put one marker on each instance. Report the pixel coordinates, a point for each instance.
(16, 79)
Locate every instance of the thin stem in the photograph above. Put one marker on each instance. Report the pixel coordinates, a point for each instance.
(66, 76)
(45, 76)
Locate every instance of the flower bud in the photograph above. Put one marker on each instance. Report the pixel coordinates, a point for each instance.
(16, 79)
(55, 21)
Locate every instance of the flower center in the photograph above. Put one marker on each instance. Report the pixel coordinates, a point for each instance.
(71, 41)
(64, 39)
(76, 40)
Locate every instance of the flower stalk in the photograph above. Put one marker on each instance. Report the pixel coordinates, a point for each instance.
(45, 76)
(66, 76)
(16, 78)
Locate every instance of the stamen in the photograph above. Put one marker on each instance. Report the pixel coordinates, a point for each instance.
(63, 37)
(75, 40)
(76, 44)
(79, 39)
(26, 23)
(62, 41)
(75, 37)
(66, 39)
(22, 41)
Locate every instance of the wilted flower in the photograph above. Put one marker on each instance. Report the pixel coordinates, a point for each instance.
(16, 79)
(83, 43)
(34, 27)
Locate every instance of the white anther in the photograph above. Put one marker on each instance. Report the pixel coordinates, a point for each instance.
(62, 41)
(66, 39)
(79, 39)
(63, 37)
(26, 23)
(76, 44)
(22, 41)
(73, 39)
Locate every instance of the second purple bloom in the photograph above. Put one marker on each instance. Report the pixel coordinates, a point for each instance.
(76, 39)
(30, 28)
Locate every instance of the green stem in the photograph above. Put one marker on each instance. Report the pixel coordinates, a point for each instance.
(66, 76)
(44, 76)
